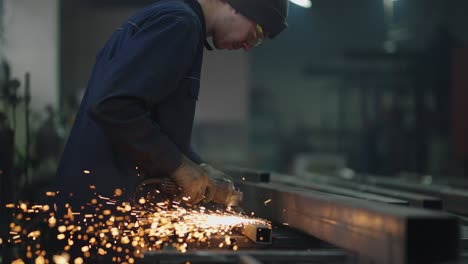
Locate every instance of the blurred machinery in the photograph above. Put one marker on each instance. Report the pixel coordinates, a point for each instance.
(16, 161)
(9, 99)
(43, 135)
(7, 182)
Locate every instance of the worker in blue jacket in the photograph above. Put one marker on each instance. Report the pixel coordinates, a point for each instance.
(136, 116)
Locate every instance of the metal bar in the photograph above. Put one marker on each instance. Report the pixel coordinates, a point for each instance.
(258, 233)
(454, 200)
(414, 199)
(227, 256)
(385, 234)
(248, 260)
(245, 174)
(294, 181)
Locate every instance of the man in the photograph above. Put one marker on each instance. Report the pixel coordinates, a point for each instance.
(136, 116)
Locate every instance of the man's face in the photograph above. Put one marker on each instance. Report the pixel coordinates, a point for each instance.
(234, 31)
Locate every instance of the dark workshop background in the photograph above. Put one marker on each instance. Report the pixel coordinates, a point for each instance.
(371, 86)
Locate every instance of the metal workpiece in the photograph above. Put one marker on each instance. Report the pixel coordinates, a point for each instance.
(381, 233)
(454, 200)
(245, 174)
(226, 256)
(258, 233)
(294, 181)
(248, 260)
(414, 199)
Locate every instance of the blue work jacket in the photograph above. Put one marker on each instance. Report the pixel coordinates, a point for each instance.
(135, 119)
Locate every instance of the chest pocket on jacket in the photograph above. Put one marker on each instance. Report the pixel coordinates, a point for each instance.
(193, 86)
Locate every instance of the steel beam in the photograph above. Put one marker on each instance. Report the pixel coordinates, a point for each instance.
(248, 260)
(249, 175)
(225, 256)
(454, 200)
(414, 199)
(381, 233)
(258, 233)
(294, 181)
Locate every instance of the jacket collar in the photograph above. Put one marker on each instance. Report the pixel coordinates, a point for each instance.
(198, 9)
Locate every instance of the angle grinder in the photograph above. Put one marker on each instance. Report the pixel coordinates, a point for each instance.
(164, 189)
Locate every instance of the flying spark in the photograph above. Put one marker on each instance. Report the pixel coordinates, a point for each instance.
(121, 230)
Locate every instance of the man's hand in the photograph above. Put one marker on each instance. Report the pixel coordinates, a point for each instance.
(214, 173)
(226, 193)
(194, 182)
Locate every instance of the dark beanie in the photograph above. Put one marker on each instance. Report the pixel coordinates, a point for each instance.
(270, 14)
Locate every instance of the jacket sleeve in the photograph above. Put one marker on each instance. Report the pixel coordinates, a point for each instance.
(192, 155)
(146, 69)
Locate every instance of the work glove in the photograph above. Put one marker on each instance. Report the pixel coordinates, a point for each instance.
(194, 182)
(214, 173)
(225, 191)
